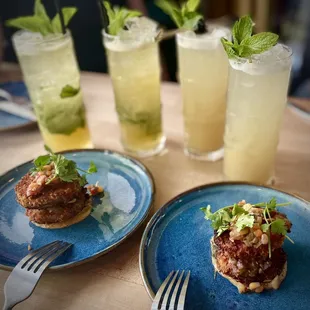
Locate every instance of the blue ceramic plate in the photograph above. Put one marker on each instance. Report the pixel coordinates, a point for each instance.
(19, 92)
(129, 196)
(177, 238)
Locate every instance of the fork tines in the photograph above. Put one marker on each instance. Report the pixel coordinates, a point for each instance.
(171, 294)
(39, 259)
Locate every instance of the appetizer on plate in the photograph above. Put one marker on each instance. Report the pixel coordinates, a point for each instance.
(247, 244)
(53, 192)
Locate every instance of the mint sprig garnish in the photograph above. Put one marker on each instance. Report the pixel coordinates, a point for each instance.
(68, 13)
(118, 17)
(185, 16)
(40, 22)
(245, 44)
(65, 169)
(69, 91)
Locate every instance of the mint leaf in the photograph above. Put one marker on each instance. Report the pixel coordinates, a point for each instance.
(40, 22)
(191, 24)
(244, 43)
(68, 13)
(229, 48)
(118, 17)
(184, 16)
(30, 23)
(167, 6)
(177, 18)
(244, 220)
(109, 10)
(39, 11)
(278, 227)
(258, 43)
(171, 9)
(69, 91)
(192, 5)
(132, 13)
(242, 29)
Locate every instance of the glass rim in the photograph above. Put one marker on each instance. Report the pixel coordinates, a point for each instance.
(257, 61)
(54, 37)
(200, 38)
(111, 36)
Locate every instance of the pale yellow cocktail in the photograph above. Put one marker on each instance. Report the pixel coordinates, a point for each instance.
(53, 81)
(203, 70)
(135, 72)
(256, 100)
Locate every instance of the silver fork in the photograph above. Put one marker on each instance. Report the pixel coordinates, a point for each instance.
(166, 297)
(25, 276)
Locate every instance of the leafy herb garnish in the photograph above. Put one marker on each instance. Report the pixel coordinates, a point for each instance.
(40, 22)
(65, 169)
(185, 16)
(220, 220)
(69, 91)
(118, 17)
(244, 43)
(240, 217)
(244, 220)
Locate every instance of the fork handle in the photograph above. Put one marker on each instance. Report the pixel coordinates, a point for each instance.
(7, 307)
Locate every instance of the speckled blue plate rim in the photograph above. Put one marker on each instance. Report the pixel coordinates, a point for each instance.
(27, 123)
(163, 209)
(110, 248)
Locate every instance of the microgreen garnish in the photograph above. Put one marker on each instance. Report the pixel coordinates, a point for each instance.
(40, 22)
(118, 17)
(185, 16)
(65, 169)
(241, 217)
(244, 43)
(69, 91)
(220, 219)
(244, 220)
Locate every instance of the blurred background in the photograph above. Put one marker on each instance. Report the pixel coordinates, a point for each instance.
(288, 18)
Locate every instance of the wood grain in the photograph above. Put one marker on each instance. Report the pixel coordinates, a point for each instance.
(113, 281)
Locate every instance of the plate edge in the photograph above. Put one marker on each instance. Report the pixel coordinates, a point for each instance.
(146, 283)
(153, 192)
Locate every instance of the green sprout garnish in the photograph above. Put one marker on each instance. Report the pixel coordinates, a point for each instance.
(65, 169)
(40, 22)
(185, 16)
(118, 17)
(222, 219)
(245, 44)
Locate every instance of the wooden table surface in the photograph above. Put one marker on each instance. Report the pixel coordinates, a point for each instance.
(113, 281)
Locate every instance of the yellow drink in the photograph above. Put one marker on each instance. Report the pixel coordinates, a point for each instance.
(256, 100)
(49, 65)
(203, 66)
(135, 73)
